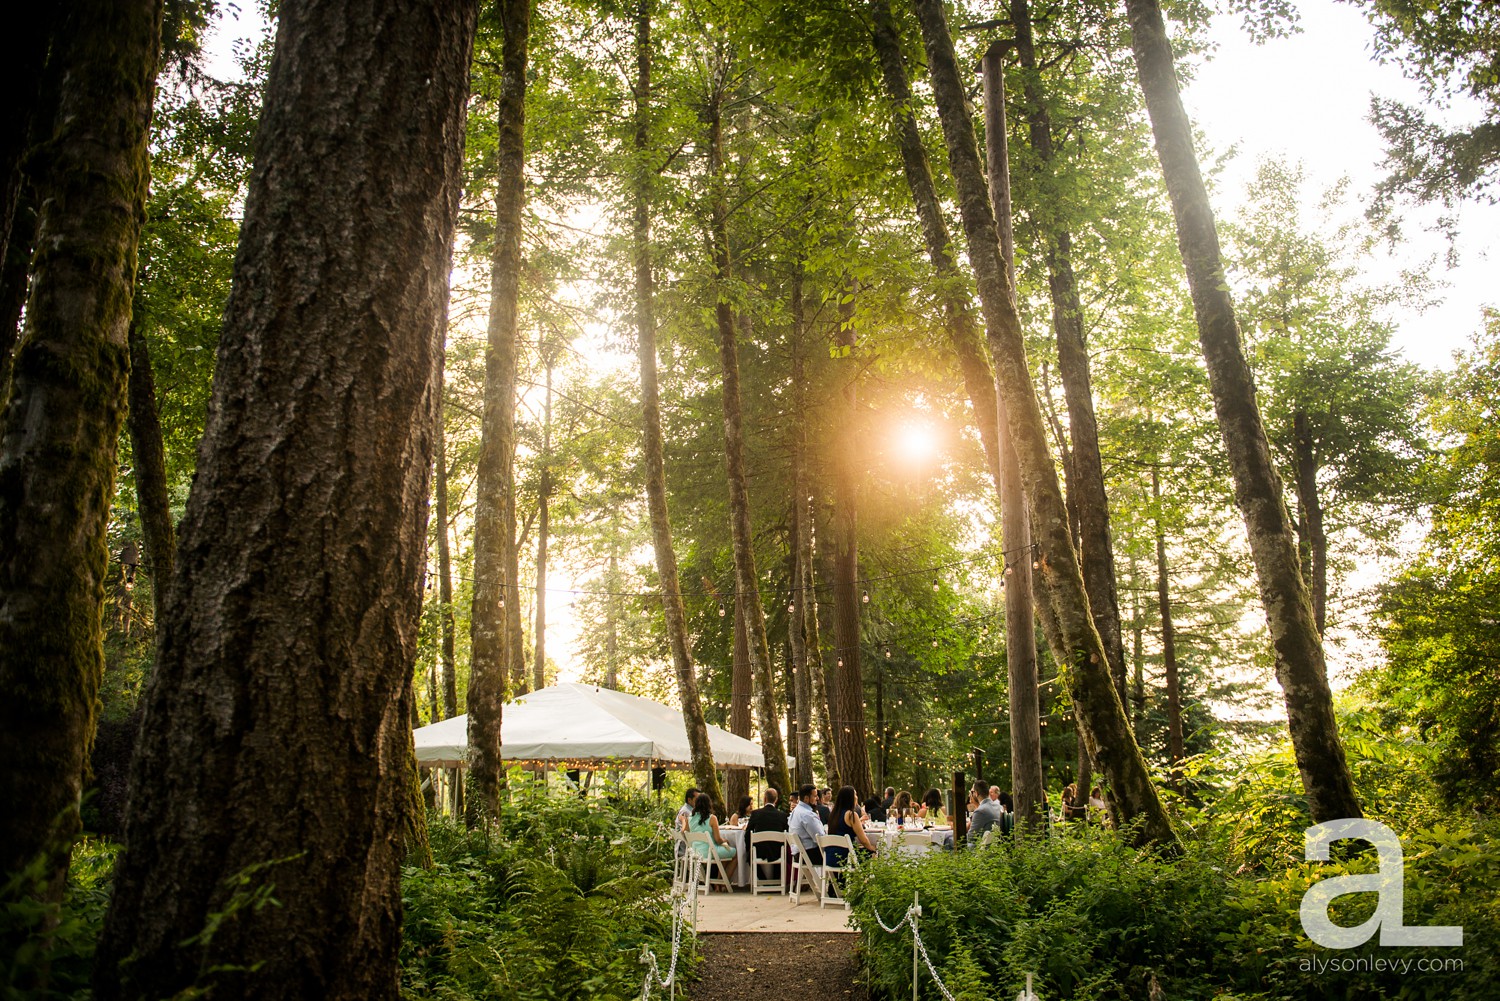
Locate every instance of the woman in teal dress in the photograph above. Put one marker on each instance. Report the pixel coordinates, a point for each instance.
(703, 821)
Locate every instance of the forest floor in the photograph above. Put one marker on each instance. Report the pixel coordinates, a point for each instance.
(757, 965)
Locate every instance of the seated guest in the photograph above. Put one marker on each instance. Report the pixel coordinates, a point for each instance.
(824, 805)
(995, 793)
(741, 811)
(1097, 806)
(768, 818)
(875, 810)
(703, 821)
(1072, 809)
(903, 809)
(890, 798)
(807, 825)
(932, 807)
(846, 821)
(984, 813)
(1008, 813)
(686, 809)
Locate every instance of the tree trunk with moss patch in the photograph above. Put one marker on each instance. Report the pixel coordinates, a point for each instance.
(495, 619)
(1298, 646)
(59, 431)
(1079, 647)
(150, 470)
(299, 566)
(674, 615)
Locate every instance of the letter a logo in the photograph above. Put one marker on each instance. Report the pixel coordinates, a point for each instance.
(1388, 885)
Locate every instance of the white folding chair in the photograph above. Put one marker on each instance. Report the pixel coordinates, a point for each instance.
(988, 839)
(681, 865)
(695, 838)
(760, 883)
(803, 872)
(831, 889)
(913, 842)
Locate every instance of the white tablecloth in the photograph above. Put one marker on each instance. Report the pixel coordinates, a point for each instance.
(888, 838)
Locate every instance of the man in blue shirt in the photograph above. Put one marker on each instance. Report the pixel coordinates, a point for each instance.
(806, 825)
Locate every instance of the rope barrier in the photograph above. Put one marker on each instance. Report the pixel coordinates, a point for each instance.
(685, 876)
(912, 917)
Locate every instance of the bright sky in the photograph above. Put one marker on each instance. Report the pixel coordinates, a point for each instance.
(1307, 98)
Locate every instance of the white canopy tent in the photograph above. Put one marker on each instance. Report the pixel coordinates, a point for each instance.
(573, 724)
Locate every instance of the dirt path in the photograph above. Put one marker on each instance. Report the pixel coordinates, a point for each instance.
(754, 966)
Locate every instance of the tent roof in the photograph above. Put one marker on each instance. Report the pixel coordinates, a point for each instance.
(576, 723)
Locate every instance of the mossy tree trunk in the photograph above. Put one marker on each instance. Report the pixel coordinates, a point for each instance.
(1079, 649)
(150, 454)
(299, 565)
(846, 700)
(1027, 784)
(741, 531)
(1175, 744)
(674, 615)
(1298, 646)
(1086, 474)
(495, 619)
(61, 425)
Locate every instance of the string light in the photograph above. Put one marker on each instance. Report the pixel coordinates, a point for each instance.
(867, 597)
(721, 611)
(935, 586)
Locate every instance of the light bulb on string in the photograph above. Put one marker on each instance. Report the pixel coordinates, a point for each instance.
(935, 586)
(867, 597)
(721, 610)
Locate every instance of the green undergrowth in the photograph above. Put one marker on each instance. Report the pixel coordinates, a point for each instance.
(1093, 919)
(556, 901)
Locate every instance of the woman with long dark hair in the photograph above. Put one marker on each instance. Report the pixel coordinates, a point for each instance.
(846, 820)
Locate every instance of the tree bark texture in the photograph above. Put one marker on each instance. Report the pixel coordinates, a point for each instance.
(1298, 646)
(543, 530)
(144, 422)
(675, 617)
(737, 780)
(1028, 787)
(800, 520)
(1168, 638)
(61, 425)
(746, 581)
(15, 271)
(1310, 517)
(274, 754)
(495, 619)
(445, 566)
(1086, 475)
(1081, 651)
(846, 702)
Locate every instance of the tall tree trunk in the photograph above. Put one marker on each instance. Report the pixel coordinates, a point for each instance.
(1137, 656)
(150, 470)
(812, 700)
(495, 618)
(846, 703)
(59, 432)
(445, 566)
(737, 780)
(1027, 785)
(298, 576)
(1086, 476)
(543, 501)
(747, 582)
(1168, 638)
(612, 624)
(1310, 512)
(1100, 712)
(1298, 646)
(675, 617)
